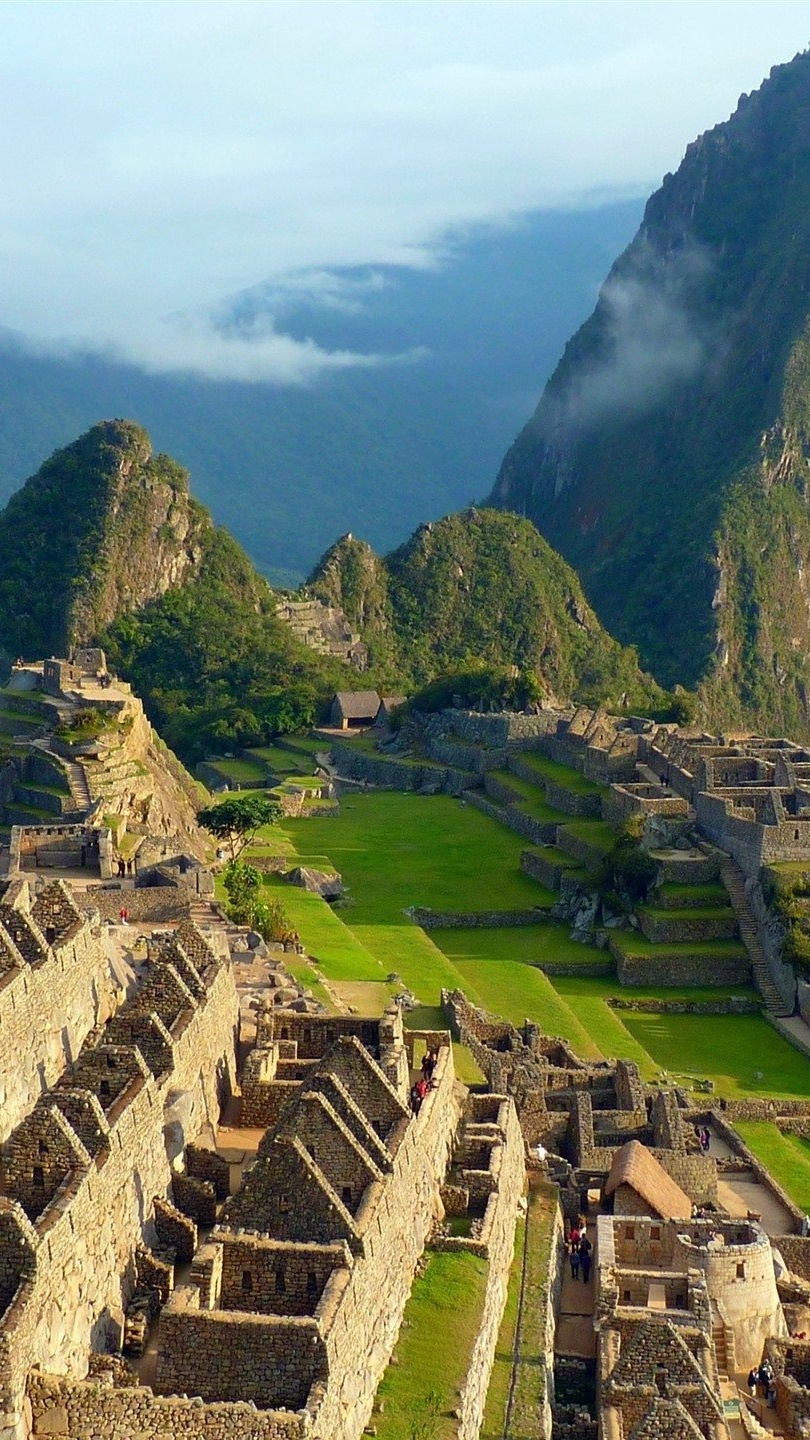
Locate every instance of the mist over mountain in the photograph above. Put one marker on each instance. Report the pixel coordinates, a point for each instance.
(465, 347)
(669, 456)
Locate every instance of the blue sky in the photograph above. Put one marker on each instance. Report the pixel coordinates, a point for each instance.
(161, 158)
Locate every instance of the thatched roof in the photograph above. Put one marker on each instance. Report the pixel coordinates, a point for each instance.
(358, 704)
(392, 701)
(636, 1166)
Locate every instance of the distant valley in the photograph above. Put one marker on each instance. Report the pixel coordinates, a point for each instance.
(374, 450)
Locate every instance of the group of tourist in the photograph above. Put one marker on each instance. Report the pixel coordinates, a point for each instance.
(580, 1250)
(704, 1138)
(761, 1382)
(426, 1081)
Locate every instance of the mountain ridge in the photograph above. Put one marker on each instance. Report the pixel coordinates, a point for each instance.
(680, 410)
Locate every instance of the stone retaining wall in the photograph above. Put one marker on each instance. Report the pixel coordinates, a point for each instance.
(731, 1005)
(666, 968)
(150, 904)
(500, 1252)
(539, 832)
(664, 929)
(86, 1408)
(537, 865)
(581, 806)
(478, 919)
(386, 772)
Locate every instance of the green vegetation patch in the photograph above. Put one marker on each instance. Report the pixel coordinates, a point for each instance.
(683, 896)
(561, 775)
(531, 798)
(787, 1157)
(742, 1054)
(244, 772)
(419, 1394)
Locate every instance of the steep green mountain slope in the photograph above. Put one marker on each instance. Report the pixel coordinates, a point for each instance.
(480, 587)
(103, 527)
(668, 457)
(106, 543)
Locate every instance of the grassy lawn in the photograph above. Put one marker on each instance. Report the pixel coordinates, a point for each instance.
(244, 772)
(632, 942)
(731, 1050)
(519, 992)
(281, 762)
(532, 797)
(560, 774)
(594, 832)
(308, 976)
(712, 893)
(433, 1350)
(786, 1156)
(338, 952)
(530, 944)
(395, 850)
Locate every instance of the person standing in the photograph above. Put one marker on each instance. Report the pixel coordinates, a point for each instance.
(585, 1248)
(574, 1257)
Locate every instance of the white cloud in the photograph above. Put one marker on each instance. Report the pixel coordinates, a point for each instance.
(159, 157)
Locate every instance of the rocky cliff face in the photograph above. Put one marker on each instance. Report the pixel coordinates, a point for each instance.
(668, 457)
(102, 528)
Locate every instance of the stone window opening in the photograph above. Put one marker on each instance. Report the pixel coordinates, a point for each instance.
(281, 1282)
(111, 1060)
(283, 1202)
(740, 1269)
(655, 1232)
(38, 1178)
(312, 1283)
(346, 1194)
(625, 1297)
(43, 1148)
(247, 1281)
(104, 1088)
(630, 1232)
(795, 834)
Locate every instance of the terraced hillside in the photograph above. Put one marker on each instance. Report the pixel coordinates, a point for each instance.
(397, 851)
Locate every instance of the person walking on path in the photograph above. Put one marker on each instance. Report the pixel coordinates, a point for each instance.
(585, 1248)
(575, 1257)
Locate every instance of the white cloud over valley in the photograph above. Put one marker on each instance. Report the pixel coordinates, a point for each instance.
(159, 159)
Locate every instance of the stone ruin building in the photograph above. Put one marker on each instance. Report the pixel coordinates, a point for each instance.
(689, 1295)
(272, 1292)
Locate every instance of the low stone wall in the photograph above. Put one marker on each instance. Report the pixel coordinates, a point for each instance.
(477, 919)
(664, 929)
(386, 772)
(154, 903)
(591, 856)
(624, 801)
(539, 832)
(76, 1409)
(730, 1005)
(498, 730)
(582, 806)
(537, 865)
(458, 754)
(687, 869)
(667, 968)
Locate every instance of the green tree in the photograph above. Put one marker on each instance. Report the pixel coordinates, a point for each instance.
(237, 821)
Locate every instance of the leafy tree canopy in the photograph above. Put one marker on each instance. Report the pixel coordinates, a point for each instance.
(237, 821)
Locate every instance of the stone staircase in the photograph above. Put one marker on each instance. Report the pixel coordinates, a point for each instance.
(77, 784)
(720, 1349)
(734, 881)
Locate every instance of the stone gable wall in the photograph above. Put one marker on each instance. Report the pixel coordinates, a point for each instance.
(72, 1408)
(72, 987)
(87, 1235)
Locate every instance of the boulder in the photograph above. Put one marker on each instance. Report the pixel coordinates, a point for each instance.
(328, 886)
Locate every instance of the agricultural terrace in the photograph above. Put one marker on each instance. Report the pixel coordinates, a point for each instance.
(400, 850)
